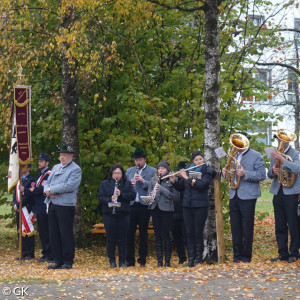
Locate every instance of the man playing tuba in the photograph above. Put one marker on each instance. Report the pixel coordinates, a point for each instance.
(243, 172)
(284, 170)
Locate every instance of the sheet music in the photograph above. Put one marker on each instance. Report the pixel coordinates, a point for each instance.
(269, 150)
(220, 152)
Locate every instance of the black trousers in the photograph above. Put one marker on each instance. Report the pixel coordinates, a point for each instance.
(61, 220)
(285, 211)
(28, 242)
(43, 228)
(242, 225)
(139, 215)
(194, 220)
(179, 237)
(116, 227)
(162, 223)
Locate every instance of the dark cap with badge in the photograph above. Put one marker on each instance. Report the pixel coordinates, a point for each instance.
(43, 156)
(66, 149)
(139, 153)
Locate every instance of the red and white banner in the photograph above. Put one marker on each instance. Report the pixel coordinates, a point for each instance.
(27, 218)
(13, 168)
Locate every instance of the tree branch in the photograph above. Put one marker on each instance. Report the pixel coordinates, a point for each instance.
(281, 65)
(179, 7)
(36, 8)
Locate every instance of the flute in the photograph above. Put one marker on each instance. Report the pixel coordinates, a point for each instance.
(167, 176)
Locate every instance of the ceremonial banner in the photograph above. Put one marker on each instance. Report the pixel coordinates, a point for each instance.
(22, 109)
(27, 218)
(13, 169)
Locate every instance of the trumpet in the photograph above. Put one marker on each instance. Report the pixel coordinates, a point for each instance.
(174, 174)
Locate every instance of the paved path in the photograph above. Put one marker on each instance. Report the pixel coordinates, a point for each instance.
(230, 281)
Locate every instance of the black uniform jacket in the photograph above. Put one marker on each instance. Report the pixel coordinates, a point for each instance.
(106, 190)
(38, 193)
(27, 200)
(196, 195)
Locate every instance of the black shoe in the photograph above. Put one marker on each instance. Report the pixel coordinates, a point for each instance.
(130, 264)
(113, 265)
(191, 263)
(28, 257)
(50, 260)
(54, 266)
(292, 259)
(122, 264)
(66, 266)
(141, 262)
(198, 261)
(160, 264)
(182, 261)
(245, 259)
(43, 259)
(282, 258)
(167, 264)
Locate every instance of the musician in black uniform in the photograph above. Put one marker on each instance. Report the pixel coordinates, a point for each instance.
(40, 208)
(139, 176)
(116, 188)
(178, 227)
(195, 204)
(28, 239)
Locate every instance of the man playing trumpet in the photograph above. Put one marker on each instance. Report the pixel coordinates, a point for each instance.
(284, 170)
(248, 170)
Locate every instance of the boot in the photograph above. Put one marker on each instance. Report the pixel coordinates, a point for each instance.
(168, 253)
(159, 252)
(199, 251)
(191, 254)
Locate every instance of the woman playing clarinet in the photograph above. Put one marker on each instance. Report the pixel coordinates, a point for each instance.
(194, 185)
(162, 212)
(116, 189)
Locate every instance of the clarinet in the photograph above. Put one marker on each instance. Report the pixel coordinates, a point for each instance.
(136, 172)
(116, 186)
(159, 180)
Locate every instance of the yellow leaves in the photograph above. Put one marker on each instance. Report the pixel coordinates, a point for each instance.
(272, 279)
(52, 46)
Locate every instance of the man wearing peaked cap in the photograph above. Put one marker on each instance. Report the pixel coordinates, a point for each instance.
(40, 208)
(139, 176)
(61, 191)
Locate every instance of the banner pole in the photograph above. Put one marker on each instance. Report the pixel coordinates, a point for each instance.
(20, 216)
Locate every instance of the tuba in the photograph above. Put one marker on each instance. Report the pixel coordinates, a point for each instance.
(284, 136)
(238, 142)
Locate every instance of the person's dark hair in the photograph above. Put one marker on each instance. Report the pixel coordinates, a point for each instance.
(113, 168)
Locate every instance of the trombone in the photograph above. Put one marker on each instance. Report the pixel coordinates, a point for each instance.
(174, 174)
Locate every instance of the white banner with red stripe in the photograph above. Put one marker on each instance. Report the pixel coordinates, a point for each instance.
(27, 218)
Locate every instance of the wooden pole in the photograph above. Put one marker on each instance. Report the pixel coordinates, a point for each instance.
(219, 219)
(20, 215)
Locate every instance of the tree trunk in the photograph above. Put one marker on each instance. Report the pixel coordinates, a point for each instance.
(70, 119)
(212, 117)
(297, 100)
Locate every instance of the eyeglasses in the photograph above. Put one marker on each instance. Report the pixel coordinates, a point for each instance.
(115, 173)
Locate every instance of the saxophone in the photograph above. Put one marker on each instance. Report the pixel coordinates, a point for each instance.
(238, 142)
(285, 177)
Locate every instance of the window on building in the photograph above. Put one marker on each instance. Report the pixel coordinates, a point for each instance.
(297, 26)
(257, 19)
